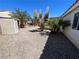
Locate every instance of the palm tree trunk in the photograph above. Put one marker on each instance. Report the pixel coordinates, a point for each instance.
(22, 24)
(18, 23)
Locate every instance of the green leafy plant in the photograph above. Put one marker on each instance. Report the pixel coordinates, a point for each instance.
(64, 23)
(20, 16)
(55, 24)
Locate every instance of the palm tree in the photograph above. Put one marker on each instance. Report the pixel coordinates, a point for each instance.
(40, 20)
(43, 20)
(46, 16)
(20, 16)
(36, 16)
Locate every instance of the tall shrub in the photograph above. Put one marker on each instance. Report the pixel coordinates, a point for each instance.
(21, 16)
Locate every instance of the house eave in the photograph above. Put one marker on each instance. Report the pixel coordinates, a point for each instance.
(73, 7)
(70, 11)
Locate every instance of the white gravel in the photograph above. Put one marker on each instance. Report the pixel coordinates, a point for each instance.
(23, 45)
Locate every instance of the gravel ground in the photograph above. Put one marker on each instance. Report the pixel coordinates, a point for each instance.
(23, 45)
(59, 47)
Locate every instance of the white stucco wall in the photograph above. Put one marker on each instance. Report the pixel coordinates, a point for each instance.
(8, 26)
(72, 34)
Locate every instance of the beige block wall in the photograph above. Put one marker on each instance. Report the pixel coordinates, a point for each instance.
(72, 34)
(8, 26)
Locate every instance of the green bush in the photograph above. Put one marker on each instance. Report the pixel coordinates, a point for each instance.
(56, 23)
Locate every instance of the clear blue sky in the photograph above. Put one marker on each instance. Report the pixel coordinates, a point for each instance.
(57, 7)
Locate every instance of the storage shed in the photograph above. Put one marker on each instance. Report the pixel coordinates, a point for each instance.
(7, 24)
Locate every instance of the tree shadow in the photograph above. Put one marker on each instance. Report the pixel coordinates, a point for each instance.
(44, 33)
(59, 47)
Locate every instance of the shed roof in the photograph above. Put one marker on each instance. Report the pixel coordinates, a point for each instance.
(5, 13)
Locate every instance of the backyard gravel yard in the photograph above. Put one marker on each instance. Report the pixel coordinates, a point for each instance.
(23, 45)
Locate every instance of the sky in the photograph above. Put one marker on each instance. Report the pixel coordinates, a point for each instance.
(56, 7)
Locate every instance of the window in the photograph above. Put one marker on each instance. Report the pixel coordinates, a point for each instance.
(76, 21)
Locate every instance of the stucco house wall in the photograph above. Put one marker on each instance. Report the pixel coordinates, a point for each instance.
(7, 24)
(72, 34)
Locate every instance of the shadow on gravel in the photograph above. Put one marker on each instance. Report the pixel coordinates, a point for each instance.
(44, 33)
(59, 47)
